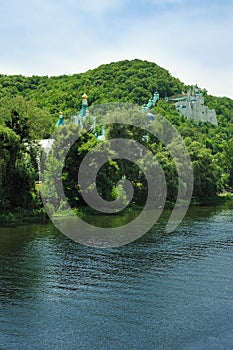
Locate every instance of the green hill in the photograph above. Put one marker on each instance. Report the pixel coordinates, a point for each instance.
(132, 81)
(128, 81)
(29, 107)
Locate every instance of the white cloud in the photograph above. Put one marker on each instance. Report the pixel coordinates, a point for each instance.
(165, 2)
(95, 7)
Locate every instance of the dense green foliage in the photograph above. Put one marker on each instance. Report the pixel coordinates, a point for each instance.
(16, 169)
(29, 107)
(127, 81)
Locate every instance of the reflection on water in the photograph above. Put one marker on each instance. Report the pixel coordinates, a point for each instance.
(164, 291)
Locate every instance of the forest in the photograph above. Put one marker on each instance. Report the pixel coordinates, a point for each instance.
(30, 106)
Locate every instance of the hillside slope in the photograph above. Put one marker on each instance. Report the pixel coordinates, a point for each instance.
(29, 107)
(128, 81)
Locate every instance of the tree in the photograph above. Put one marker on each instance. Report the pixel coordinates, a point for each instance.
(25, 118)
(207, 173)
(16, 174)
(228, 161)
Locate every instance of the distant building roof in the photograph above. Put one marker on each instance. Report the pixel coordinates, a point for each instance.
(177, 97)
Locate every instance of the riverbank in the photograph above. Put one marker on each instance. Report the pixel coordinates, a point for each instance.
(23, 216)
(26, 216)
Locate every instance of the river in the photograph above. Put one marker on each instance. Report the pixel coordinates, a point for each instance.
(163, 291)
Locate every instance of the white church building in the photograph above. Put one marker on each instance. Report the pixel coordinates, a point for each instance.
(192, 106)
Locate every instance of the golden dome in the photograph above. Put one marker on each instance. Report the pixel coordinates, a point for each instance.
(84, 96)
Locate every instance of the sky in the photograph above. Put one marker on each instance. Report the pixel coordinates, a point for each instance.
(191, 39)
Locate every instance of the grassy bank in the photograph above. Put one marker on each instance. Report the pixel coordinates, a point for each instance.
(26, 216)
(22, 216)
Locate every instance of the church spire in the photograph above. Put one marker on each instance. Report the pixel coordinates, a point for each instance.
(84, 110)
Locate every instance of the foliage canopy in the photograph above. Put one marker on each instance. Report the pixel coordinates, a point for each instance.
(29, 107)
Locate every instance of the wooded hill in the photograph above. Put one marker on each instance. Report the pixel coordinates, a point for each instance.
(126, 81)
(29, 107)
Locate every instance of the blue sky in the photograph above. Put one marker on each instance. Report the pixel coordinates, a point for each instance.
(192, 39)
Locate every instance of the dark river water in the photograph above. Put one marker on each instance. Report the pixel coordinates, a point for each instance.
(164, 291)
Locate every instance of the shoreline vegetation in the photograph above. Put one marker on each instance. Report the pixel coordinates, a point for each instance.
(38, 216)
(29, 111)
